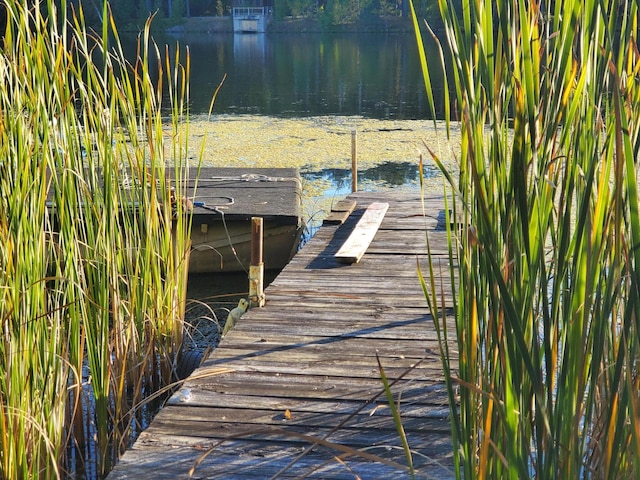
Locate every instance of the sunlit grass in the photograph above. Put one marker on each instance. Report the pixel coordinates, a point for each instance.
(545, 264)
(93, 261)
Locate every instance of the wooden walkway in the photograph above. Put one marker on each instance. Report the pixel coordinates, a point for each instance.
(303, 369)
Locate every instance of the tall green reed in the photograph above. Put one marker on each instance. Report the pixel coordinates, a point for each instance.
(95, 227)
(544, 258)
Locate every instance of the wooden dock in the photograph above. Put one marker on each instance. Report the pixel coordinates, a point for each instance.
(295, 391)
(224, 202)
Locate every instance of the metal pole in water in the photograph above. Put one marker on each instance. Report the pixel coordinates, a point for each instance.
(354, 161)
(256, 269)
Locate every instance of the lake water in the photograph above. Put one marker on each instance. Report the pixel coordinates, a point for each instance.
(301, 75)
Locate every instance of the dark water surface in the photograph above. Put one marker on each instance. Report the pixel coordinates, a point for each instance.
(299, 75)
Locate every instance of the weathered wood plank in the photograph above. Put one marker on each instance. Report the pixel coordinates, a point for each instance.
(280, 430)
(325, 353)
(229, 460)
(350, 301)
(358, 242)
(293, 365)
(384, 348)
(245, 385)
(374, 285)
(340, 212)
(284, 410)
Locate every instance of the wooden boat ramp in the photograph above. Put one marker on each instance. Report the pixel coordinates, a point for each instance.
(295, 389)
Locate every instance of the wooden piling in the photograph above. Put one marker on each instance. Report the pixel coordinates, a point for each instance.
(256, 269)
(354, 161)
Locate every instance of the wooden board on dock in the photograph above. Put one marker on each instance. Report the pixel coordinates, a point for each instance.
(356, 245)
(295, 391)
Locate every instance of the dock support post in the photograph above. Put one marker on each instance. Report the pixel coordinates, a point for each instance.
(354, 161)
(256, 269)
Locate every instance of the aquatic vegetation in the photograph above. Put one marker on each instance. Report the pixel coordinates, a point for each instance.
(543, 371)
(312, 143)
(93, 262)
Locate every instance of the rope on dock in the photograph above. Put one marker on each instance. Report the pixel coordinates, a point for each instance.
(246, 177)
(217, 209)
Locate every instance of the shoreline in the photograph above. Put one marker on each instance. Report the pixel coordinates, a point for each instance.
(293, 25)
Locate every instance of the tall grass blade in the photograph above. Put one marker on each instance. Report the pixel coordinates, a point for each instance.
(95, 225)
(546, 290)
(397, 420)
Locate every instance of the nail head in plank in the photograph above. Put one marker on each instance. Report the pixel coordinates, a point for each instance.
(356, 245)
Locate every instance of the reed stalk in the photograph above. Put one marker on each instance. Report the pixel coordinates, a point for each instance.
(544, 265)
(95, 226)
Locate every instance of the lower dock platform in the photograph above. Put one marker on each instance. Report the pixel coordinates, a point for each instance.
(224, 201)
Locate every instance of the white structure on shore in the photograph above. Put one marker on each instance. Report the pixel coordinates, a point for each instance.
(252, 16)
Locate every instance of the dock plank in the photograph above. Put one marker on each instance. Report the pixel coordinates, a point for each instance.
(294, 390)
(271, 193)
(355, 246)
(340, 212)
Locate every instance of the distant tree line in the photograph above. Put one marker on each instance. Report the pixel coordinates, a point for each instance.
(341, 12)
(129, 13)
(335, 12)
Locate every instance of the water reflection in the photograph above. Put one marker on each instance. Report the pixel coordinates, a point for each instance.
(299, 75)
(249, 50)
(324, 187)
(384, 176)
